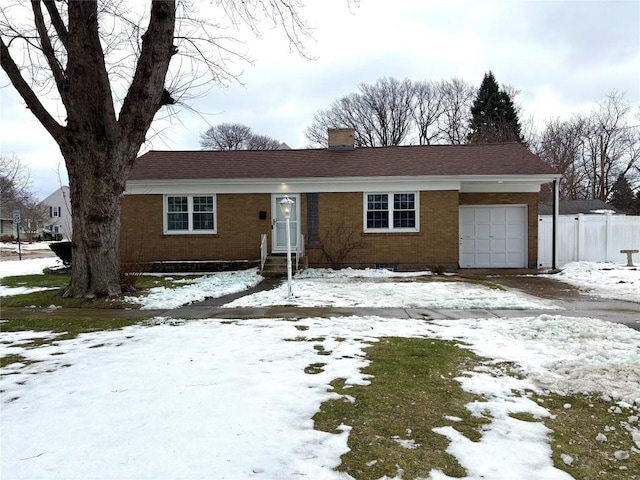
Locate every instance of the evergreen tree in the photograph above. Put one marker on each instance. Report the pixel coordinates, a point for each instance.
(635, 208)
(493, 116)
(622, 197)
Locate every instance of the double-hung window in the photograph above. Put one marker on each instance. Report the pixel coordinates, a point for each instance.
(55, 211)
(190, 214)
(391, 212)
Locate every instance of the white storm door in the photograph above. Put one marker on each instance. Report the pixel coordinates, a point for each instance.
(279, 230)
(493, 237)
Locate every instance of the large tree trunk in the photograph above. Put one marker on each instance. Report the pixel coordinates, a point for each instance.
(95, 200)
(99, 149)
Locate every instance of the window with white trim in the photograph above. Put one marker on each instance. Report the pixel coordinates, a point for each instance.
(55, 212)
(190, 214)
(391, 212)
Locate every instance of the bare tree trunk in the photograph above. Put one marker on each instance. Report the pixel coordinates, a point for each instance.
(95, 201)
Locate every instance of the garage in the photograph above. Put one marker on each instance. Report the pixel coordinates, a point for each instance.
(493, 236)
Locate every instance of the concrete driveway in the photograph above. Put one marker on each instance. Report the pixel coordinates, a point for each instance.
(576, 302)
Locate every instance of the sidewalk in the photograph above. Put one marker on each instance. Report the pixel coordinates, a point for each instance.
(618, 312)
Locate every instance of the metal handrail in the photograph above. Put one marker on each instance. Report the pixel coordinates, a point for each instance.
(263, 251)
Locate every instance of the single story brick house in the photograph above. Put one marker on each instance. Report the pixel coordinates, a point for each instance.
(406, 207)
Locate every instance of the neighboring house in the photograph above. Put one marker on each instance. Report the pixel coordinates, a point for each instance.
(7, 228)
(405, 207)
(574, 207)
(58, 225)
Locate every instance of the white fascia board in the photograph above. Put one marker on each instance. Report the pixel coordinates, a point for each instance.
(291, 185)
(467, 183)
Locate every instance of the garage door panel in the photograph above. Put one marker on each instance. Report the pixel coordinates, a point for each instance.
(483, 245)
(513, 231)
(498, 215)
(499, 231)
(515, 215)
(483, 231)
(498, 245)
(467, 231)
(514, 260)
(483, 259)
(513, 245)
(482, 216)
(493, 236)
(467, 216)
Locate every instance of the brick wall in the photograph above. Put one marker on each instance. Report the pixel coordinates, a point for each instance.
(436, 244)
(529, 199)
(239, 230)
(238, 237)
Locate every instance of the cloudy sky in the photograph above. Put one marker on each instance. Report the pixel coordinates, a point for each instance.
(563, 56)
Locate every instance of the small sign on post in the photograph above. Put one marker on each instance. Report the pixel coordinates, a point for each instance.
(16, 222)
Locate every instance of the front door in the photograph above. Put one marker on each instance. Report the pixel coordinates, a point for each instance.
(279, 231)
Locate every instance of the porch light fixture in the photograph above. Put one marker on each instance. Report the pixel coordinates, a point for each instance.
(286, 205)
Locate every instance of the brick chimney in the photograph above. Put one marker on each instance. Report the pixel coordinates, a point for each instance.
(341, 138)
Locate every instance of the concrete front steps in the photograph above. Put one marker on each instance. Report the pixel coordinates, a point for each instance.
(276, 265)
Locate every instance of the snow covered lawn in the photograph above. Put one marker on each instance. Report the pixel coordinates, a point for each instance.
(231, 399)
(177, 399)
(27, 266)
(606, 280)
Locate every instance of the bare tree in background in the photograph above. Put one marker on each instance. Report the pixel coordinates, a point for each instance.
(380, 114)
(427, 110)
(453, 124)
(235, 136)
(561, 145)
(594, 150)
(613, 145)
(16, 194)
(14, 184)
(109, 70)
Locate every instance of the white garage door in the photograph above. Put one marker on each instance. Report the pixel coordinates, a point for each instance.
(493, 236)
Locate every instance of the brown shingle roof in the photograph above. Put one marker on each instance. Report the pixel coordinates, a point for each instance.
(438, 160)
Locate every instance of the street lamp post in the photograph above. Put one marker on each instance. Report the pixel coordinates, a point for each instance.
(286, 204)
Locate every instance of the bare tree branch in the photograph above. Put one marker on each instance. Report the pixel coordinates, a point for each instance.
(48, 51)
(27, 94)
(56, 21)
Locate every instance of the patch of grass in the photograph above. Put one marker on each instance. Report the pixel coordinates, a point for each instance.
(50, 280)
(47, 298)
(9, 359)
(411, 391)
(314, 368)
(574, 433)
(58, 281)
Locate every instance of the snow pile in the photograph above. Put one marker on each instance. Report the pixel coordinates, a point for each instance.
(208, 286)
(24, 246)
(345, 289)
(358, 273)
(31, 266)
(559, 354)
(606, 280)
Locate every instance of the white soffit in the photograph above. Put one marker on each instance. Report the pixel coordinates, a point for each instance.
(476, 183)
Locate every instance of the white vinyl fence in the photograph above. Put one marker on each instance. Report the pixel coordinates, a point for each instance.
(592, 238)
